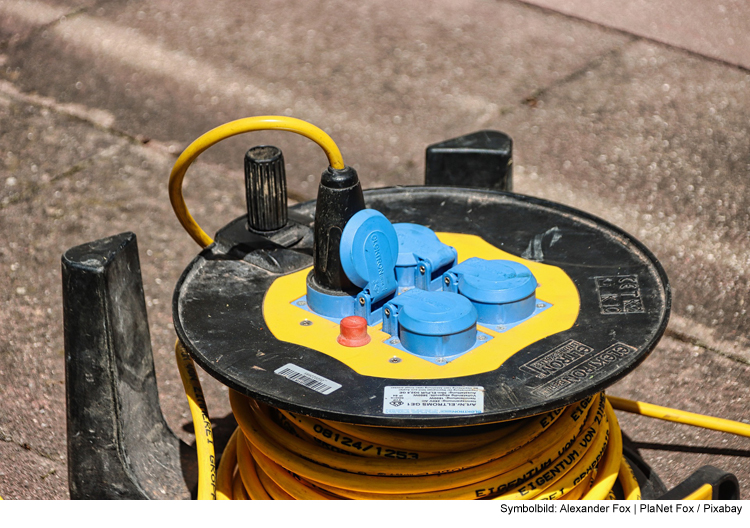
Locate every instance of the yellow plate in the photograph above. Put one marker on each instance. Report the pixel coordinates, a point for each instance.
(555, 287)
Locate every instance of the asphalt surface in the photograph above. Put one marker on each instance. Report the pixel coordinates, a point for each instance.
(641, 123)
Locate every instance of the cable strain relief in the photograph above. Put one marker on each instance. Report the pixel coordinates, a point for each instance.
(339, 198)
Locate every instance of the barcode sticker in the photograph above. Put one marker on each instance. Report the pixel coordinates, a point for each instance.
(307, 379)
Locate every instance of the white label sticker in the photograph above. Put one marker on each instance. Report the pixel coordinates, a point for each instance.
(433, 400)
(307, 379)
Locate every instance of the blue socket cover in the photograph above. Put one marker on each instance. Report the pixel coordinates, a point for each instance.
(502, 291)
(419, 246)
(369, 250)
(432, 324)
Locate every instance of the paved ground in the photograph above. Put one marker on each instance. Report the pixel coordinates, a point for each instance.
(640, 122)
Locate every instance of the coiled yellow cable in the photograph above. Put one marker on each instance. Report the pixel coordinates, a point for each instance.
(565, 453)
(204, 439)
(570, 453)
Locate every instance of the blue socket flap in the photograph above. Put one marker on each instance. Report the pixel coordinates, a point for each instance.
(417, 242)
(494, 281)
(435, 313)
(369, 250)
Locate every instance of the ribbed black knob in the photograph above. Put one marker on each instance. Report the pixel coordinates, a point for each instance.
(265, 184)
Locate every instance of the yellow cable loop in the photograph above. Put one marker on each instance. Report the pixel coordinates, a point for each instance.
(225, 481)
(608, 473)
(630, 487)
(204, 438)
(227, 130)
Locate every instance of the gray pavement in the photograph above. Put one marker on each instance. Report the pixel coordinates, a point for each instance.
(97, 98)
(719, 30)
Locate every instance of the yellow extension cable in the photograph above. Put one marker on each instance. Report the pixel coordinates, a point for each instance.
(227, 130)
(570, 453)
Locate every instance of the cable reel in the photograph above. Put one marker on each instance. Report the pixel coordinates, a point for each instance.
(445, 336)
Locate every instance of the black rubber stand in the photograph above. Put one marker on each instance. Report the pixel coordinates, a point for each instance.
(483, 160)
(119, 446)
(724, 486)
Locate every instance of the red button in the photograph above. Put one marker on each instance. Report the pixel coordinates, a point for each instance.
(353, 331)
